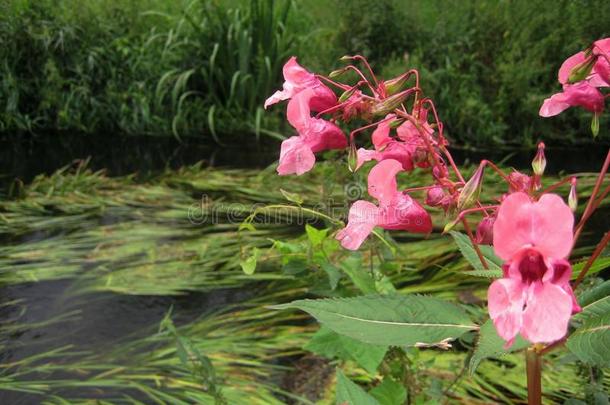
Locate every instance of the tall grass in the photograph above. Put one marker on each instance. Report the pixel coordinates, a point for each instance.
(145, 67)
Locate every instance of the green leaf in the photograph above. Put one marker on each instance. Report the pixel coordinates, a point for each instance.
(332, 345)
(389, 392)
(600, 264)
(591, 342)
(483, 273)
(349, 393)
(334, 275)
(362, 279)
(315, 236)
(491, 345)
(594, 302)
(399, 320)
(249, 265)
(465, 245)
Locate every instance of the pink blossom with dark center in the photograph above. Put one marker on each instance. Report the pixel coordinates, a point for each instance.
(396, 210)
(534, 298)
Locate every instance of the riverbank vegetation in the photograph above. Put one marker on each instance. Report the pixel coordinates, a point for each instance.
(202, 68)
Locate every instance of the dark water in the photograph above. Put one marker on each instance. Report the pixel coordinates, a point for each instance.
(25, 156)
(100, 320)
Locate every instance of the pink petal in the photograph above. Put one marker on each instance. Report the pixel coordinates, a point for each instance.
(560, 273)
(546, 224)
(505, 304)
(322, 135)
(568, 65)
(382, 180)
(381, 134)
(362, 219)
(404, 213)
(365, 155)
(298, 111)
(553, 105)
(295, 74)
(547, 313)
(400, 152)
(295, 157)
(552, 227)
(276, 97)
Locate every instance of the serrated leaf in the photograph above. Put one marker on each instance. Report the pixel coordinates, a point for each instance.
(594, 302)
(465, 245)
(484, 273)
(249, 265)
(591, 341)
(389, 392)
(489, 344)
(396, 320)
(349, 393)
(332, 345)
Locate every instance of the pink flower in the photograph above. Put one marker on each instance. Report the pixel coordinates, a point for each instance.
(534, 297)
(581, 94)
(396, 210)
(315, 135)
(595, 79)
(386, 147)
(298, 79)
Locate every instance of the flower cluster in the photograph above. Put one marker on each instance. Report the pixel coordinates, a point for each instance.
(582, 75)
(531, 229)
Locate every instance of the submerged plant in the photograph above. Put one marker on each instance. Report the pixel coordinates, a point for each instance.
(530, 227)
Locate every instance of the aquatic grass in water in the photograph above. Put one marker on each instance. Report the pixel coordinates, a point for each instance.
(121, 236)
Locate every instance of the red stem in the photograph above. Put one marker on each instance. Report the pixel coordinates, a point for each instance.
(598, 251)
(474, 244)
(590, 208)
(534, 381)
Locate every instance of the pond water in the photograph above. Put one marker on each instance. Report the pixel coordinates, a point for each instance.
(98, 320)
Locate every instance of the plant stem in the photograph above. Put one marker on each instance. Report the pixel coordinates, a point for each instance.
(534, 382)
(590, 208)
(598, 251)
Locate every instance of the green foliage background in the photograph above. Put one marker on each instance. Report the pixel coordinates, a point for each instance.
(204, 67)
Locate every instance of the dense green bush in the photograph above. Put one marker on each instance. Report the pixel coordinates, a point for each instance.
(488, 64)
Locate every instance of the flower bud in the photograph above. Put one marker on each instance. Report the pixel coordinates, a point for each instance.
(582, 70)
(440, 171)
(573, 197)
(346, 58)
(484, 235)
(395, 85)
(352, 157)
(434, 196)
(539, 162)
(337, 72)
(471, 190)
(595, 124)
(450, 225)
(389, 104)
(347, 94)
